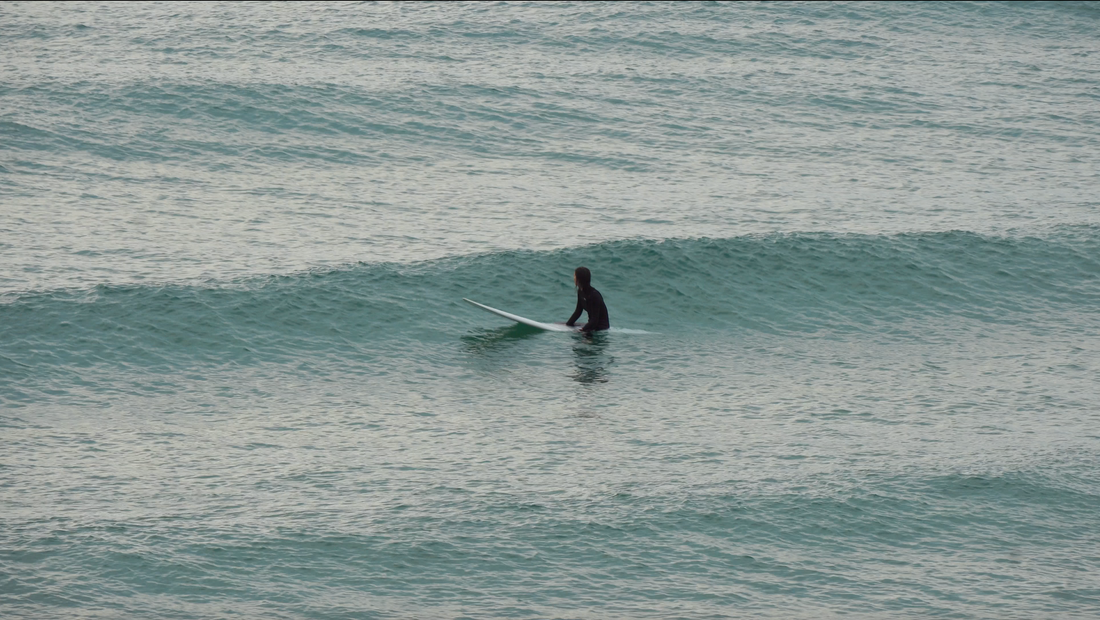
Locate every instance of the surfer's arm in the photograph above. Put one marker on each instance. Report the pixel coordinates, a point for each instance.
(577, 312)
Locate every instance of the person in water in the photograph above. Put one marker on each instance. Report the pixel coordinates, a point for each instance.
(588, 300)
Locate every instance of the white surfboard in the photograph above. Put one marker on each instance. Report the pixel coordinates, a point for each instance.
(550, 327)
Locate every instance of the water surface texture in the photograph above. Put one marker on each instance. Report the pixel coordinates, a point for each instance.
(851, 254)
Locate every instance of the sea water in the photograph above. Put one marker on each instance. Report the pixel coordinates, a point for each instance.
(851, 255)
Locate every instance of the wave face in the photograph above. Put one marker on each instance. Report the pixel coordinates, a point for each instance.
(870, 286)
(851, 254)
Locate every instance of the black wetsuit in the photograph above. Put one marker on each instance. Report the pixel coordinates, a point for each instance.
(589, 300)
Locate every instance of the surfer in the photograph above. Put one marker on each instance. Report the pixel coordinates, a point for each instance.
(588, 300)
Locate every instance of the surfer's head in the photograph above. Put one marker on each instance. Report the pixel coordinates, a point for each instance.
(582, 277)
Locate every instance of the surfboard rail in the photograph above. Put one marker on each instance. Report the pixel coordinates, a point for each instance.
(550, 327)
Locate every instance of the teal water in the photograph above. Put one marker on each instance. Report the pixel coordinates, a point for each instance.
(851, 255)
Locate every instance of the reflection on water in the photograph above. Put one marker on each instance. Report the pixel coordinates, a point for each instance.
(591, 359)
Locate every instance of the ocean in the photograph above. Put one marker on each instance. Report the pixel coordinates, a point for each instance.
(850, 252)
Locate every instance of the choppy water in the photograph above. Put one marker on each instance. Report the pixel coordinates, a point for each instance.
(851, 255)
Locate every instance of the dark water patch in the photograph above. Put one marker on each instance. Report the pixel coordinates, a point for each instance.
(882, 547)
(334, 123)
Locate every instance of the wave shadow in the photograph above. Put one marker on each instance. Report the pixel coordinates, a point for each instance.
(488, 340)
